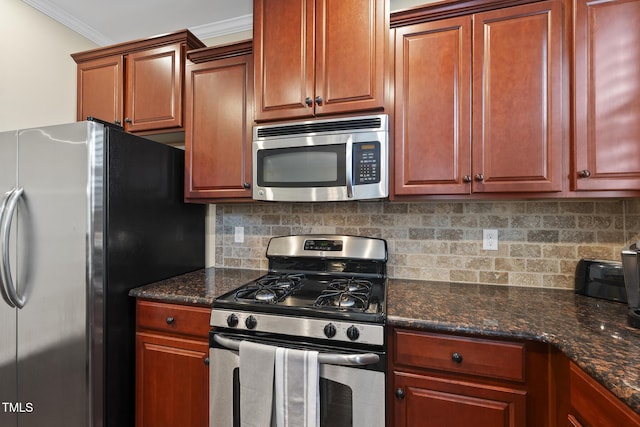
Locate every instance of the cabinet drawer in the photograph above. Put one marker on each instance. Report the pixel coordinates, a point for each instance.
(174, 318)
(487, 358)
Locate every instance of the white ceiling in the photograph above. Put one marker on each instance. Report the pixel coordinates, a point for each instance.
(107, 22)
(114, 21)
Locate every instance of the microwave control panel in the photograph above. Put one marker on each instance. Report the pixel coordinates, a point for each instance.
(366, 159)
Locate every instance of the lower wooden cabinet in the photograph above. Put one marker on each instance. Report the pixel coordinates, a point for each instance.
(592, 405)
(172, 365)
(441, 380)
(423, 400)
(444, 380)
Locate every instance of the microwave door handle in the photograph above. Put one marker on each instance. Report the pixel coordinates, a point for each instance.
(361, 359)
(5, 264)
(349, 167)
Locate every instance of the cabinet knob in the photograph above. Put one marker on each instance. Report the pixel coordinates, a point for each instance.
(479, 177)
(466, 178)
(128, 120)
(206, 361)
(586, 173)
(171, 320)
(246, 185)
(319, 100)
(308, 101)
(400, 393)
(456, 357)
(118, 122)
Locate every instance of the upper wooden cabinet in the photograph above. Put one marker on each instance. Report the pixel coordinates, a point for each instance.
(219, 118)
(479, 108)
(606, 95)
(318, 57)
(137, 84)
(433, 107)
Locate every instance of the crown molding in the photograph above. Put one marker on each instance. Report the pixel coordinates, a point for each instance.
(70, 21)
(222, 28)
(205, 31)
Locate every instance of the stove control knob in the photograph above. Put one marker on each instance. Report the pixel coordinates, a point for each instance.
(251, 322)
(232, 320)
(353, 333)
(330, 330)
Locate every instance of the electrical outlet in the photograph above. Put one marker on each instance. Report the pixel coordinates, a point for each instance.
(490, 240)
(238, 234)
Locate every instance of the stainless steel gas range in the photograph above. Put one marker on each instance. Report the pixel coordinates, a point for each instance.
(323, 293)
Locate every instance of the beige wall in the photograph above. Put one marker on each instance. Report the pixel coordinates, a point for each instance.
(37, 75)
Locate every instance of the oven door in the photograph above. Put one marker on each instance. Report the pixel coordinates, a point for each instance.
(350, 396)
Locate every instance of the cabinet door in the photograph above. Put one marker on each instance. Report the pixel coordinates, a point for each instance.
(172, 377)
(100, 89)
(154, 89)
(283, 37)
(438, 402)
(517, 99)
(318, 57)
(350, 38)
(219, 106)
(607, 95)
(433, 113)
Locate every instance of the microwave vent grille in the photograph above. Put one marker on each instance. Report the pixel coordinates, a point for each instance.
(367, 124)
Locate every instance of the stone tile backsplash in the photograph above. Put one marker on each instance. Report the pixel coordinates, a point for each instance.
(540, 242)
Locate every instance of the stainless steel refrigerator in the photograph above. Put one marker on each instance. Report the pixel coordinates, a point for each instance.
(87, 212)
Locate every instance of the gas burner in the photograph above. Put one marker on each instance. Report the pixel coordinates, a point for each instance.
(346, 293)
(351, 285)
(270, 289)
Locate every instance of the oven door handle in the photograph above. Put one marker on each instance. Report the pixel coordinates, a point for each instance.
(361, 359)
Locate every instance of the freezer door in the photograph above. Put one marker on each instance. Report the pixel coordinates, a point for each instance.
(8, 385)
(51, 275)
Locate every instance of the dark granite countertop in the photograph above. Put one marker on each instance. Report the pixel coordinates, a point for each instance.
(197, 288)
(591, 332)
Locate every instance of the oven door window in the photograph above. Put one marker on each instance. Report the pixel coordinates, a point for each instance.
(336, 403)
(305, 167)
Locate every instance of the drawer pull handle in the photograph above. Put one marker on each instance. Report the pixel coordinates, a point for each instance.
(170, 320)
(206, 361)
(456, 357)
(400, 393)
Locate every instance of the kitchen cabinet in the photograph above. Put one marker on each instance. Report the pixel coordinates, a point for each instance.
(593, 405)
(441, 380)
(606, 96)
(172, 372)
(318, 57)
(479, 101)
(219, 119)
(137, 84)
(583, 402)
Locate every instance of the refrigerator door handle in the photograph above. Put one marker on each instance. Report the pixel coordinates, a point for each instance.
(3, 205)
(9, 204)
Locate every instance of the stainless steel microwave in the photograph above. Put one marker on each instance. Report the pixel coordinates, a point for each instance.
(322, 160)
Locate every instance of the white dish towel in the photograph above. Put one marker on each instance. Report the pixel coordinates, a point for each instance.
(256, 384)
(297, 388)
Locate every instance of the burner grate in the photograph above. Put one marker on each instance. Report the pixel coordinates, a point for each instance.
(270, 289)
(347, 294)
